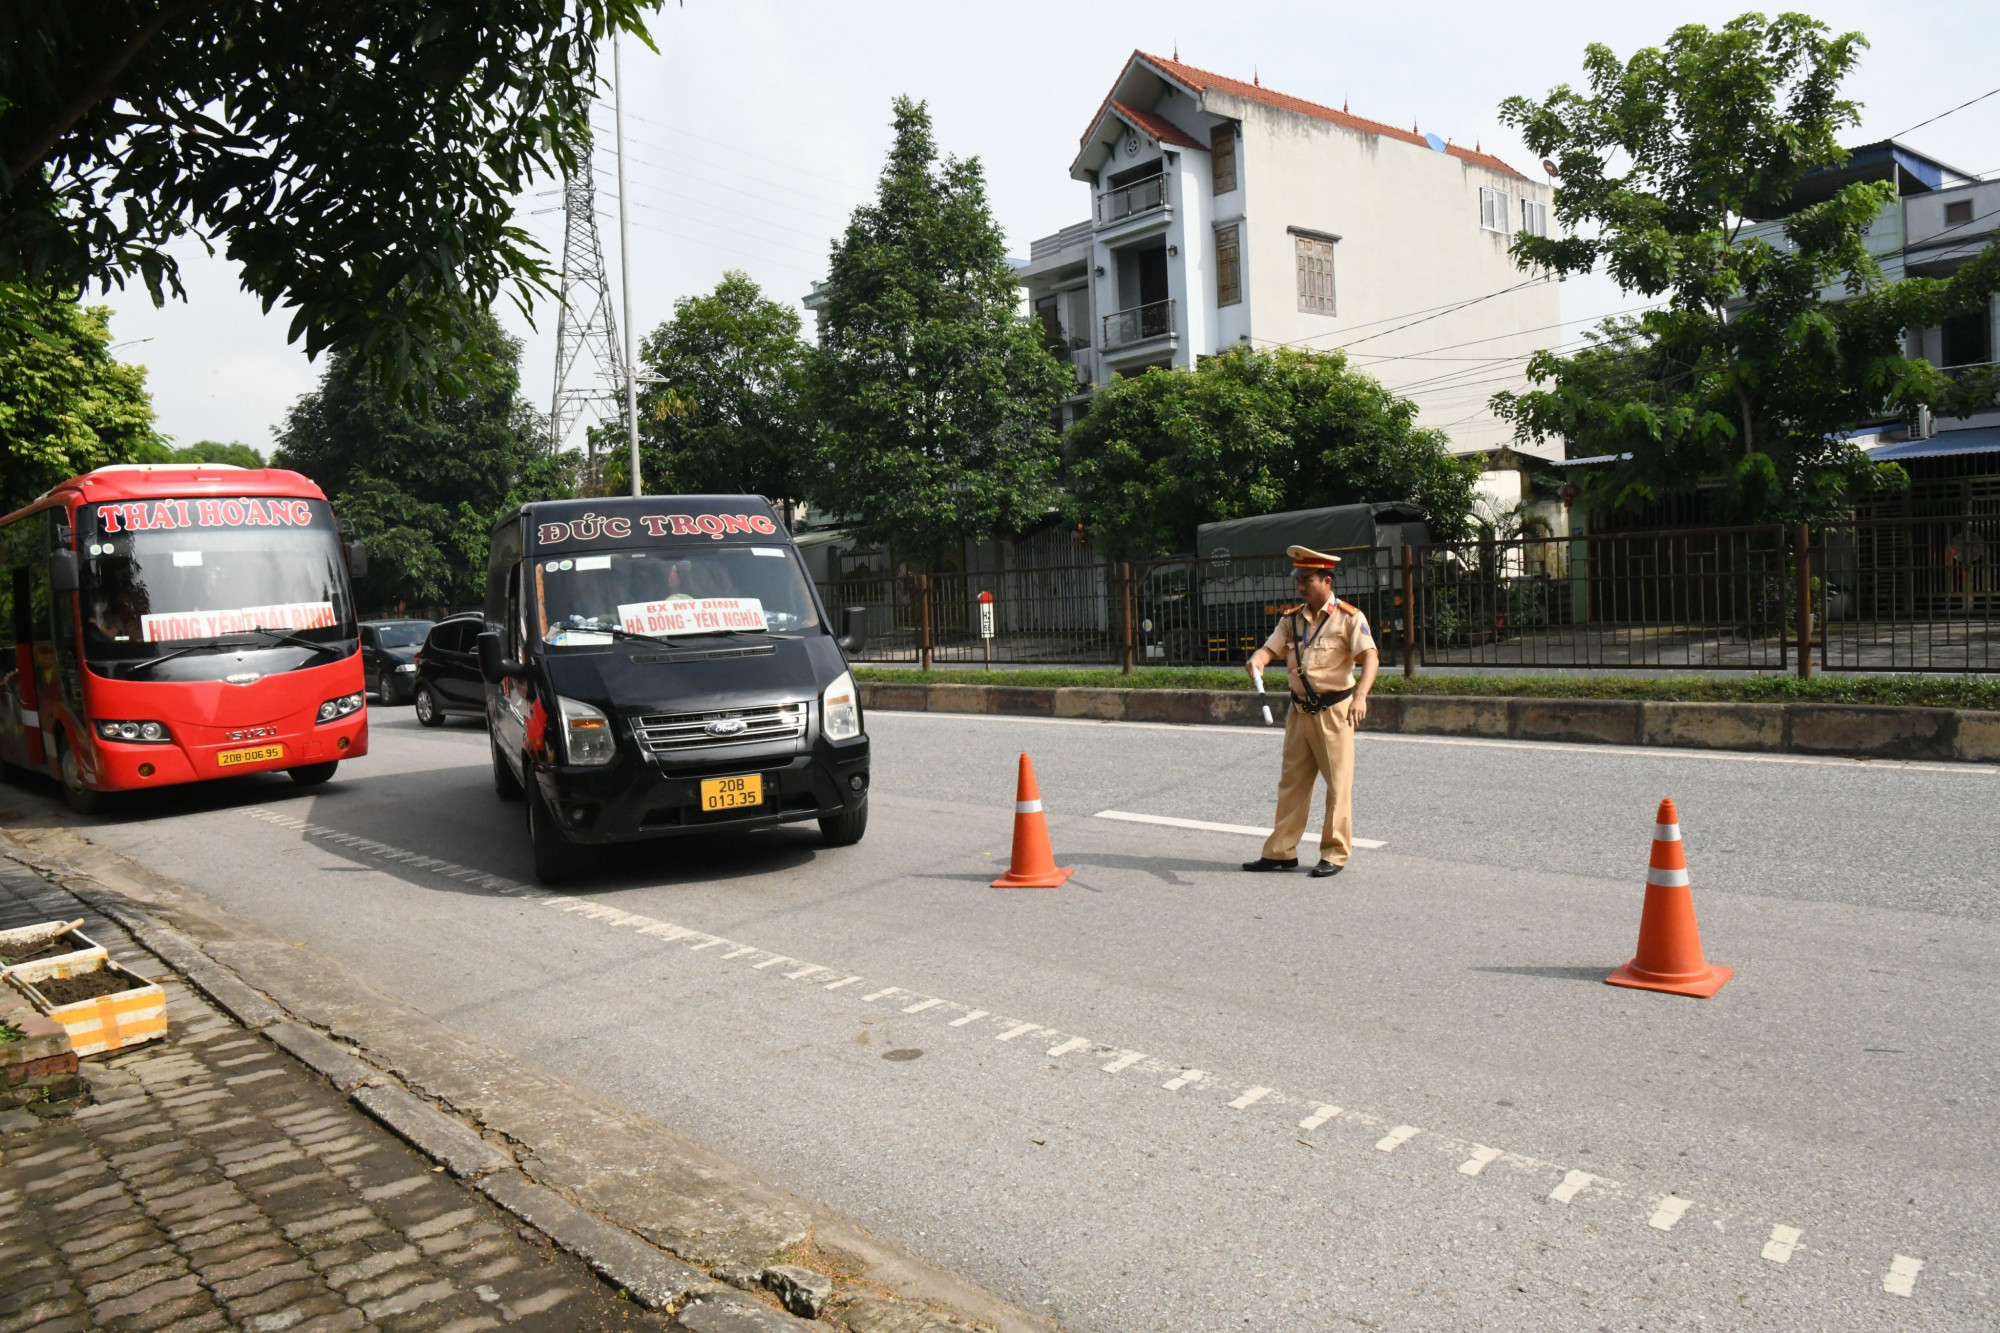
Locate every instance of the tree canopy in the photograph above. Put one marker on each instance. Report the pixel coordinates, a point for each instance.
(934, 390)
(423, 490)
(728, 412)
(356, 158)
(1246, 433)
(65, 405)
(1768, 346)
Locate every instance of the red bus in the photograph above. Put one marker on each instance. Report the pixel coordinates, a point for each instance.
(173, 623)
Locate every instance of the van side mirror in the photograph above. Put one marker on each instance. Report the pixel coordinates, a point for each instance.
(853, 629)
(63, 572)
(357, 559)
(493, 663)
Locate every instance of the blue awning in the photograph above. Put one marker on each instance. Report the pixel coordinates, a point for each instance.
(1977, 440)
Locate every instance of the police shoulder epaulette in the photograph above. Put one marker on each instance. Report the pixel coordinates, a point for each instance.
(1288, 610)
(1350, 608)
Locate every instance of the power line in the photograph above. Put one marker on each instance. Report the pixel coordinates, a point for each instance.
(723, 185)
(792, 166)
(1942, 114)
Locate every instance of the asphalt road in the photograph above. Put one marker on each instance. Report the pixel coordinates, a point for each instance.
(1171, 1095)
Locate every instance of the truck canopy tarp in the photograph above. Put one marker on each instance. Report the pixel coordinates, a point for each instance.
(1336, 528)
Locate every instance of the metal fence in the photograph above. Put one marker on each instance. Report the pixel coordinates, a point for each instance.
(1919, 595)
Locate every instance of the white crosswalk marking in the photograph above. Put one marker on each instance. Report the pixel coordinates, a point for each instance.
(1125, 1061)
(1572, 1185)
(1669, 1212)
(1901, 1279)
(1182, 1079)
(1397, 1137)
(1321, 1114)
(1481, 1155)
(1073, 1044)
(1250, 1097)
(1784, 1241)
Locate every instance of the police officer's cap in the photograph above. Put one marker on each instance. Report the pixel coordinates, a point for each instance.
(1304, 557)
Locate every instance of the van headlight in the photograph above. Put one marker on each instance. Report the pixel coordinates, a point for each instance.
(841, 709)
(587, 732)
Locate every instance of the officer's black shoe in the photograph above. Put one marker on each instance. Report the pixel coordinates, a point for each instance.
(1266, 863)
(1325, 868)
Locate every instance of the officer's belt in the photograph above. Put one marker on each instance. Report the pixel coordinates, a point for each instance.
(1319, 702)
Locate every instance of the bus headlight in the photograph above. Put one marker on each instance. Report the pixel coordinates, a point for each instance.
(334, 709)
(841, 709)
(138, 733)
(587, 732)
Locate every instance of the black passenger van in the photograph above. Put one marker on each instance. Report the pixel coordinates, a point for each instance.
(661, 665)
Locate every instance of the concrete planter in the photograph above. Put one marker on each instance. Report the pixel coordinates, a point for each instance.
(1835, 729)
(27, 939)
(41, 1067)
(105, 1023)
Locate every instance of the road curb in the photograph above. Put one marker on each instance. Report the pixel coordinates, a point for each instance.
(1861, 730)
(647, 1275)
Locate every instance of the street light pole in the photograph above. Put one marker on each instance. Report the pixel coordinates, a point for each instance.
(625, 267)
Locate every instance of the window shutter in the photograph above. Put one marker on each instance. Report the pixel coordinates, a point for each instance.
(1315, 270)
(1228, 267)
(1222, 158)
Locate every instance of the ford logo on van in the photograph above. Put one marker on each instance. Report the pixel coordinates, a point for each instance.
(727, 726)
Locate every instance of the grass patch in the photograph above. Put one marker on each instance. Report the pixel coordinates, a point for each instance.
(1920, 691)
(10, 1033)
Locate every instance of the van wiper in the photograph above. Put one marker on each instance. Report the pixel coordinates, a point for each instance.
(614, 631)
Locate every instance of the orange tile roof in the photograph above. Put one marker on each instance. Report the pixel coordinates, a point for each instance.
(1157, 126)
(1202, 80)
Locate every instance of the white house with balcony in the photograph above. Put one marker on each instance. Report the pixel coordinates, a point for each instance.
(1224, 213)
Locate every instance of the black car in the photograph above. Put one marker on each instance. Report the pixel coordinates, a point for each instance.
(448, 679)
(388, 657)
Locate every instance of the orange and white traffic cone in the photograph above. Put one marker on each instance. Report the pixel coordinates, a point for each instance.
(1669, 956)
(1034, 861)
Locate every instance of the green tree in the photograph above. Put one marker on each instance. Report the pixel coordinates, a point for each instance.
(1765, 349)
(357, 159)
(1251, 432)
(728, 413)
(423, 489)
(215, 451)
(934, 391)
(65, 406)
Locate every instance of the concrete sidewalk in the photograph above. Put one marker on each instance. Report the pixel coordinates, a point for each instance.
(212, 1182)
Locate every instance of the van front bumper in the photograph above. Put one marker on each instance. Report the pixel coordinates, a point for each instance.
(634, 798)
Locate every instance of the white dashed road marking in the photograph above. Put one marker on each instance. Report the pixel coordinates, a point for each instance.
(1397, 1137)
(972, 1017)
(1572, 1185)
(922, 1005)
(1250, 1097)
(1125, 1061)
(870, 999)
(844, 981)
(1207, 826)
(1901, 1278)
(1019, 1030)
(1784, 1241)
(805, 971)
(1182, 1079)
(1669, 1212)
(1073, 1044)
(1481, 1155)
(1321, 1114)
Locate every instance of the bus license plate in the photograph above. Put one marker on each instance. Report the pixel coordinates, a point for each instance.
(256, 754)
(732, 793)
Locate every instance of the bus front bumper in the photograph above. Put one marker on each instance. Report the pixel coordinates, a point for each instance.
(124, 766)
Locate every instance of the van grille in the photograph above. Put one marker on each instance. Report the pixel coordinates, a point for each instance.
(678, 733)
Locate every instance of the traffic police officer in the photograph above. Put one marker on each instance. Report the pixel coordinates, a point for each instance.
(1322, 641)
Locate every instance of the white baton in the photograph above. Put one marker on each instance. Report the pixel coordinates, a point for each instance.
(1259, 678)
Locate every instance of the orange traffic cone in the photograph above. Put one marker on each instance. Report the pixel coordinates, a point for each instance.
(1669, 957)
(1034, 863)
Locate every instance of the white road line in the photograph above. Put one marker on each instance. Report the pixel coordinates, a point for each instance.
(1073, 1044)
(1182, 1079)
(1250, 1097)
(886, 990)
(805, 971)
(1902, 1275)
(844, 981)
(771, 962)
(738, 953)
(1481, 1157)
(922, 1005)
(1017, 1031)
(710, 945)
(1321, 1114)
(1784, 1240)
(972, 1017)
(1125, 1061)
(1397, 1137)
(1572, 1185)
(1206, 826)
(1669, 1212)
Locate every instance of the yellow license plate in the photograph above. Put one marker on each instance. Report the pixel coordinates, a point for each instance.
(256, 754)
(732, 793)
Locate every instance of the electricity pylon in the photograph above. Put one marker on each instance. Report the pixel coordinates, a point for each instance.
(584, 323)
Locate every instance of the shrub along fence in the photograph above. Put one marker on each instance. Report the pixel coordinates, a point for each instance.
(1901, 595)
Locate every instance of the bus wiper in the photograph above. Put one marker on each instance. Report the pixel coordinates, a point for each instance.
(286, 636)
(182, 651)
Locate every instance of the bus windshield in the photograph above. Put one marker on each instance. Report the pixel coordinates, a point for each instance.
(212, 590)
(671, 591)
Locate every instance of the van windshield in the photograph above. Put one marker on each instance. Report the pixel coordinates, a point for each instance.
(669, 592)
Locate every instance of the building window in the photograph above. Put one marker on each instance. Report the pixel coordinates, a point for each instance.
(1315, 259)
(1957, 212)
(1493, 209)
(1228, 267)
(1222, 157)
(1534, 218)
(1968, 339)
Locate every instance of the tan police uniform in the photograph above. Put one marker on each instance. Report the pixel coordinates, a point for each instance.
(1329, 645)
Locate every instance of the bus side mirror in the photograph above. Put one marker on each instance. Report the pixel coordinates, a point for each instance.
(493, 663)
(853, 629)
(62, 571)
(357, 560)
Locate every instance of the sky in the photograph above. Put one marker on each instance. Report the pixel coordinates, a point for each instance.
(758, 126)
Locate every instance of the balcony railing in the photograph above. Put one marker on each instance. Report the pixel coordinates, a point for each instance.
(1142, 323)
(1141, 196)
